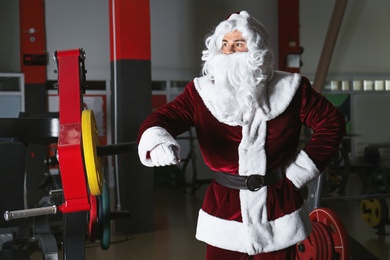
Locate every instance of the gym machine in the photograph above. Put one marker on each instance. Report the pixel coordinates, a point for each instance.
(376, 185)
(86, 200)
(328, 239)
(20, 238)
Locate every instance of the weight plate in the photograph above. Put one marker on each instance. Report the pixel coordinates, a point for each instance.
(93, 215)
(100, 225)
(372, 212)
(105, 241)
(92, 162)
(329, 247)
(336, 230)
(320, 243)
(307, 249)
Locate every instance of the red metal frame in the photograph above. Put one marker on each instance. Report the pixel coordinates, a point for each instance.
(70, 151)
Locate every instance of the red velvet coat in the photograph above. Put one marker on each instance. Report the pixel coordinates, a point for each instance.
(275, 217)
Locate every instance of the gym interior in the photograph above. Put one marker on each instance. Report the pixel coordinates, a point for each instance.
(117, 61)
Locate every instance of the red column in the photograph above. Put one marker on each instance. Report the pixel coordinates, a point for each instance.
(130, 30)
(289, 43)
(33, 40)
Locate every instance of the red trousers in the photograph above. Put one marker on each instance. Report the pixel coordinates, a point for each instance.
(215, 253)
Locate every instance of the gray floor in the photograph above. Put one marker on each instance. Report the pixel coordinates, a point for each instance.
(175, 218)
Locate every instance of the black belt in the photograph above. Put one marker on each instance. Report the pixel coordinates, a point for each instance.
(252, 182)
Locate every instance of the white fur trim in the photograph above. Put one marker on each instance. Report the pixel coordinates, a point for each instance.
(254, 238)
(152, 137)
(280, 91)
(253, 160)
(204, 88)
(252, 157)
(302, 170)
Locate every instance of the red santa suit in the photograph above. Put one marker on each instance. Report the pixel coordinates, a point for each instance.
(274, 217)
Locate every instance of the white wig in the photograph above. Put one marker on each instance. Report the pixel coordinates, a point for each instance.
(256, 37)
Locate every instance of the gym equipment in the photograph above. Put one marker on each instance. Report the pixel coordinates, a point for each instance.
(93, 218)
(78, 150)
(92, 151)
(38, 130)
(19, 238)
(85, 194)
(380, 180)
(328, 239)
(375, 214)
(93, 164)
(376, 186)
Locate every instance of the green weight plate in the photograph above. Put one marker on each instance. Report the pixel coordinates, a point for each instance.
(100, 225)
(105, 241)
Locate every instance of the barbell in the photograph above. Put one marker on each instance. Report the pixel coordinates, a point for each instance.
(92, 151)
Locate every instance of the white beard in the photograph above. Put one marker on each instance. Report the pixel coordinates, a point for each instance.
(237, 86)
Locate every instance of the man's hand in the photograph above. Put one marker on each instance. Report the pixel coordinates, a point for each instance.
(164, 154)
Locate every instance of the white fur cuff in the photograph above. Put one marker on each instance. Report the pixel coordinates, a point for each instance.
(302, 170)
(151, 138)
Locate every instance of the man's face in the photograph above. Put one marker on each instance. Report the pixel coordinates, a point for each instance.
(233, 42)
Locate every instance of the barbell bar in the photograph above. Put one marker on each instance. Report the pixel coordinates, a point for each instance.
(92, 151)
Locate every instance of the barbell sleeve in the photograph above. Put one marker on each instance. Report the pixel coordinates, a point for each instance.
(113, 149)
(25, 213)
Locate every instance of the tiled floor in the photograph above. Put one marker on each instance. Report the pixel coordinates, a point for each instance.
(176, 214)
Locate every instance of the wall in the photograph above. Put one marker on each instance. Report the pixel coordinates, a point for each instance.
(9, 35)
(79, 24)
(179, 28)
(361, 53)
(362, 46)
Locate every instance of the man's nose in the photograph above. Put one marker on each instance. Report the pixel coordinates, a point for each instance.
(231, 49)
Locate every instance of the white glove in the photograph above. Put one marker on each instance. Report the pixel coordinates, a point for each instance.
(165, 154)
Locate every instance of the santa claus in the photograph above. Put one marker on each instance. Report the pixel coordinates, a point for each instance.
(248, 119)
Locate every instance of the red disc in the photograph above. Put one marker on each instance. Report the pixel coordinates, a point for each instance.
(320, 245)
(93, 212)
(308, 248)
(329, 247)
(336, 230)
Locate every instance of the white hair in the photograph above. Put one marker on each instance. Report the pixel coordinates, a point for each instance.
(239, 79)
(256, 36)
